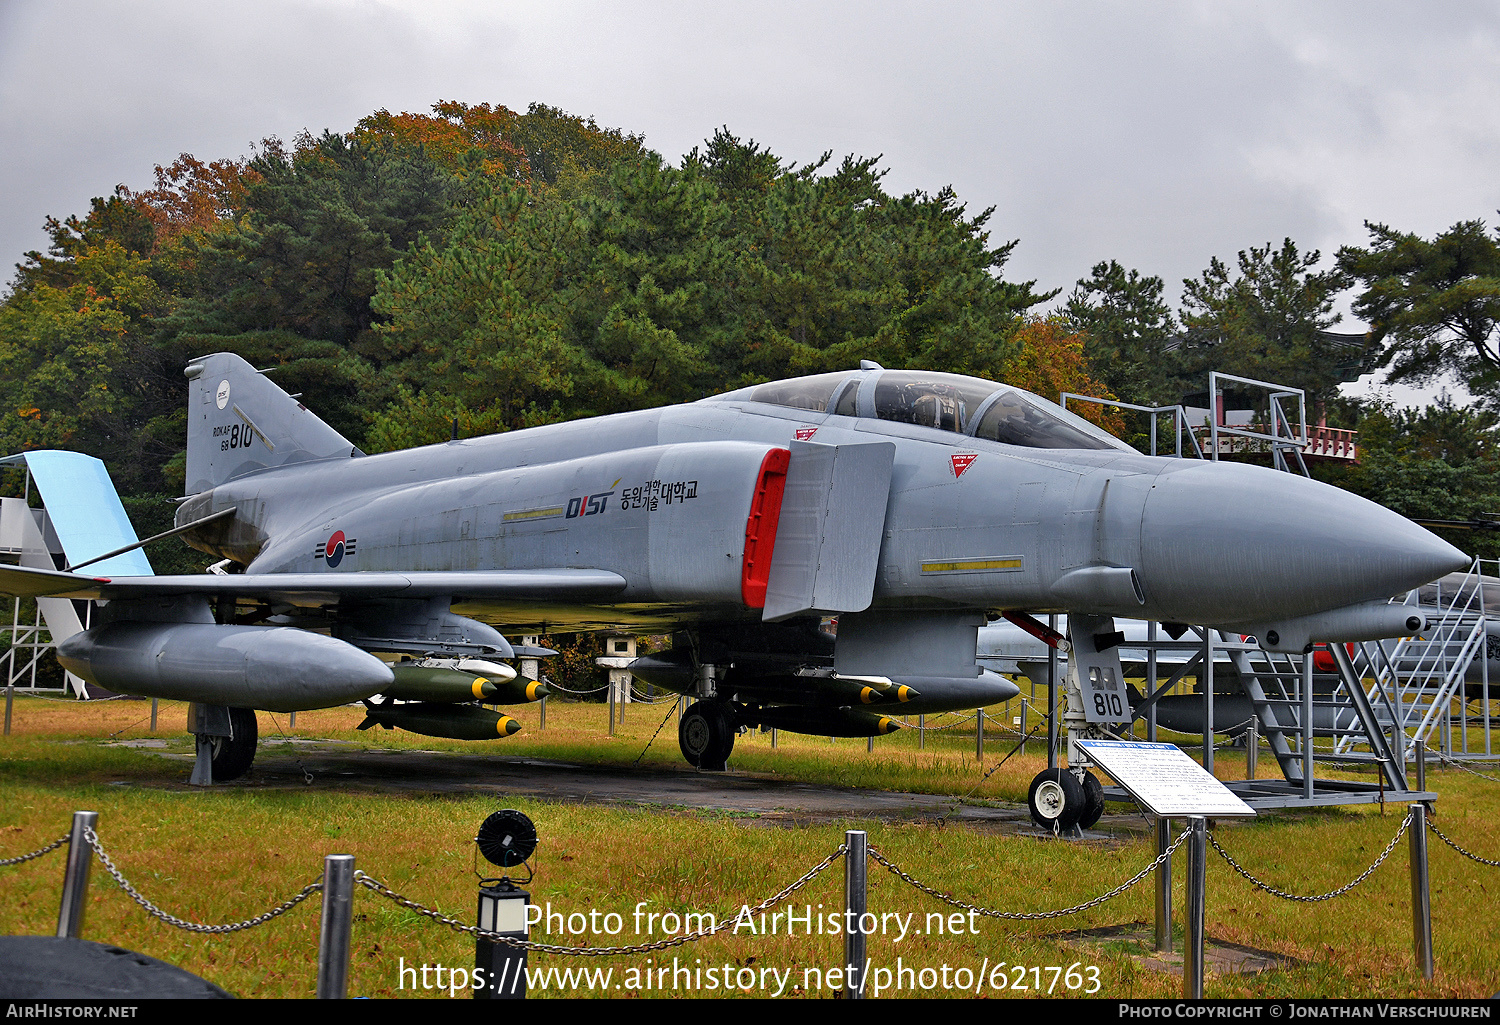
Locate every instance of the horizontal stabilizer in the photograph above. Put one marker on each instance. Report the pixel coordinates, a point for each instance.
(83, 509)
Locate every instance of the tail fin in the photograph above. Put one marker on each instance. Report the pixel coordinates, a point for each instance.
(238, 421)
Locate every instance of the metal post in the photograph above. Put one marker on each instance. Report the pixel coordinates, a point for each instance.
(611, 690)
(1307, 727)
(1052, 697)
(1420, 753)
(543, 726)
(76, 876)
(291, 722)
(1252, 747)
(979, 735)
(773, 738)
(153, 715)
(1197, 873)
(856, 867)
(1207, 679)
(337, 921)
(1023, 724)
(1151, 659)
(921, 732)
(1421, 893)
(870, 744)
(1164, 887)
(10, 694)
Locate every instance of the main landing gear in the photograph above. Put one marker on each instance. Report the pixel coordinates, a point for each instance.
(706, 735)
(226, 740)
(1062, 800)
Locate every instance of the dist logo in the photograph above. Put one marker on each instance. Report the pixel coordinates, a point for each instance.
(333, 550)
(588, 505)
(962, 461)
(804, 433)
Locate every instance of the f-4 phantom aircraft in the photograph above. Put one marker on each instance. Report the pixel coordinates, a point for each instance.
(906, 504)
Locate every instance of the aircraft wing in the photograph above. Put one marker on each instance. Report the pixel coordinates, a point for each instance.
(314, 589)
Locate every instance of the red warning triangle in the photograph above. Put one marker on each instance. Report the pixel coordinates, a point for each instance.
(803, 433)
(962, 462)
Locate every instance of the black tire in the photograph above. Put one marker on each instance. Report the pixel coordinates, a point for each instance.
(233, 755)
(706, 735)
(1056, 800)
(1093, 801)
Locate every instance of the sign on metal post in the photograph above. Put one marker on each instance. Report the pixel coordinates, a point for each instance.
(1164, 780)
(1169, 784)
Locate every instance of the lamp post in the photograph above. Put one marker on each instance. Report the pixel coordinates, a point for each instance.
(506, 839)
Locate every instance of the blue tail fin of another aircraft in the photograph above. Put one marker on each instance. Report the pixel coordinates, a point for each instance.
(239, 422)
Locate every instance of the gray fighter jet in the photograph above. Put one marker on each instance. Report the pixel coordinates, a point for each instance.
(907, 505)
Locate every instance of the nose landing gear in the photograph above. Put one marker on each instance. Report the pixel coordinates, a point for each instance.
(1061, 800)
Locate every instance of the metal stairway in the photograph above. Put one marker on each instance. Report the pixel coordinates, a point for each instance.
(1412, 683)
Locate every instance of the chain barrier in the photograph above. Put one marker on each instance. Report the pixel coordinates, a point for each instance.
(1234, 741)
(934, 729)
(1468, 854)
(1447, 760)
(1405, 824)
(54, 845)
(559, 687)
(895, 870)
(27, 692)
(156, 912)
(376, 886)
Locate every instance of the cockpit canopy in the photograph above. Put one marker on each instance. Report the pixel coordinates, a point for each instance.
(948, 402)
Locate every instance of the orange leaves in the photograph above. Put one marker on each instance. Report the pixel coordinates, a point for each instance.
(458, 130)
(1050, 361)
(190, 194)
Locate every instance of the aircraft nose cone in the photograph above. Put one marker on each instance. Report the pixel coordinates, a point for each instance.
(1231, 543)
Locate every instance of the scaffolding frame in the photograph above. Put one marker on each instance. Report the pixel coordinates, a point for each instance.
(1283, 689)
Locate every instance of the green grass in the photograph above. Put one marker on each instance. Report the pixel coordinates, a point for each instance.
(231, 853)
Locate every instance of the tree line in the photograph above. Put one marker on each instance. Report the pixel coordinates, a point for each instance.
(507, 269)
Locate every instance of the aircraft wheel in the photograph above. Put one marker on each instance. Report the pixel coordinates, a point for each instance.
(1093, 801)
(232, 755)
(1056, 800)
(706, 735)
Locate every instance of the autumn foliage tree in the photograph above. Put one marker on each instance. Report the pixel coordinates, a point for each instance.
(1049, 359)
(496, 268)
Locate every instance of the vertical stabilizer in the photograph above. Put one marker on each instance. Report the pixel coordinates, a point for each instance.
(239, 422)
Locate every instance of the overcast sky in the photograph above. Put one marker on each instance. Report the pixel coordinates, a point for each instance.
(1157, 135)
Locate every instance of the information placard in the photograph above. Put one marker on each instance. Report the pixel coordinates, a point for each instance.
(1165, 780)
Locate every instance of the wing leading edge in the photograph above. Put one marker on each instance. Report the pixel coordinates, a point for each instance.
(315, 589)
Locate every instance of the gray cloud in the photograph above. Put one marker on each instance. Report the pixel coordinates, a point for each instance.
(1155, 134)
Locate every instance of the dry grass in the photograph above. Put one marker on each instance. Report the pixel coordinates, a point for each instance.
(229, 854)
